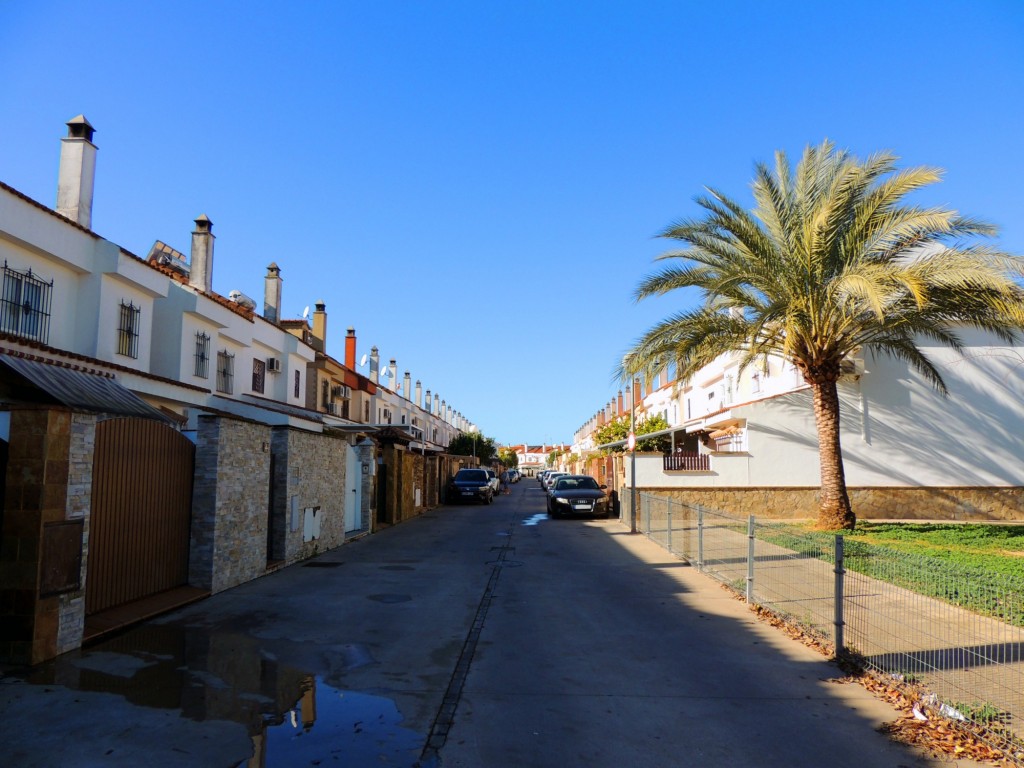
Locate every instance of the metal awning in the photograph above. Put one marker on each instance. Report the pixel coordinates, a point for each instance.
(34, 381)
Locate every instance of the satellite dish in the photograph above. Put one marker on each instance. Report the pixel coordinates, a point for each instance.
(363, 361)
(384, 370)
(305, 313)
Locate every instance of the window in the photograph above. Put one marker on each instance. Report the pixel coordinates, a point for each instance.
(225, 372)
(755, 382)
(366, 412)
(128, 330)
(259, 375)
(298, 381)
(25, 305)
(202, 355)
(325, 393)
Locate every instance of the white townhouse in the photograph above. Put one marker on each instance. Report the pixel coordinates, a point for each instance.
(158, 441)
(747, 442)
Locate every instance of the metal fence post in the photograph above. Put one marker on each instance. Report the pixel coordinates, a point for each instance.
(750, 559)
(700, 537)
(840, 571)
(668, 522)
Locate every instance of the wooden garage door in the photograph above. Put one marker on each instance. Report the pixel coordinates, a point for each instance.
(141, 512)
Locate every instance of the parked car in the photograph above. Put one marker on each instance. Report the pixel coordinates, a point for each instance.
(578, 495)
(493, 480)
(550, 478)
(470, 485)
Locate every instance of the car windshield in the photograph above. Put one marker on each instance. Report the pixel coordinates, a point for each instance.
(471, 475)
(576, 484)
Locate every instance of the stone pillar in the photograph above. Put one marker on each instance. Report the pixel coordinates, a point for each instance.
(45, 534)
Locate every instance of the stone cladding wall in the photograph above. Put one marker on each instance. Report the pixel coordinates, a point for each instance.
(310, 468)
(868, 503)
(230, 499)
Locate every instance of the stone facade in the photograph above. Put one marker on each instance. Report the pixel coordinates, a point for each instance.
(309, 474)
(230, 502)
(46, 492)
(868, 503)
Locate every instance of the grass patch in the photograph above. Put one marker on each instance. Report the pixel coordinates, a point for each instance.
(975, 566)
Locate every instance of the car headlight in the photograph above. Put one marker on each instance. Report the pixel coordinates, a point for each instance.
(483, 487)
(559, 500)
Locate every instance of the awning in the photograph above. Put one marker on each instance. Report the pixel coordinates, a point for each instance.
(34, 381)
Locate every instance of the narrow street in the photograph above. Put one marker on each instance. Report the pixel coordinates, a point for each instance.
(471, 637)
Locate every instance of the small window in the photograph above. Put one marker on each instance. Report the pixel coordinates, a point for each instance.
(298, 381)
(128, 330)
(225, 372)
(25, 305)
(259, 375)
(202, 355)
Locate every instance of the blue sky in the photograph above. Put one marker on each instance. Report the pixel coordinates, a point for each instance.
(476, 186)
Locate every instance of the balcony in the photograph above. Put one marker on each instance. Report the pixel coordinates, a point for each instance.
(687, 462)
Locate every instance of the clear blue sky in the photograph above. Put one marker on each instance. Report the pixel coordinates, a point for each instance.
(475, 186)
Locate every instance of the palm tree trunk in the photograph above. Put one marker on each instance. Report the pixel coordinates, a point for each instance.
(835, 510)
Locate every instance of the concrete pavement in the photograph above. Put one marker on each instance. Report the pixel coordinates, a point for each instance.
(473, 636)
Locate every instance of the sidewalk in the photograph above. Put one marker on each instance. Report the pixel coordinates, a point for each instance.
(956, 654)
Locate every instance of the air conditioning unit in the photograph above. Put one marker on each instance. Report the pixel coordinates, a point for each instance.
(334, 409)
(341, 391)
(274, 364)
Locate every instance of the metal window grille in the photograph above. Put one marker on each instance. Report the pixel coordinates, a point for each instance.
(128, 330)
(259, 375)
(297, 382)
(225, 372)
(202, 355)
(25, 305)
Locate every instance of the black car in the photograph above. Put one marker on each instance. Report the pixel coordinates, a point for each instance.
(470, 485)
(578, 495)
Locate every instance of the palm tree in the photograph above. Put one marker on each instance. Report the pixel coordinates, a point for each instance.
(831, 262)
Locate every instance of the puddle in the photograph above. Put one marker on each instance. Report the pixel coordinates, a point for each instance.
(328, 726)
(535, 519)
(174, 695)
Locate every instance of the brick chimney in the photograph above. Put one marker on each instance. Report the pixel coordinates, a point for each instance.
(77, 174)
(200, 274)
(320, 326)
(272, 294)
(350, 348)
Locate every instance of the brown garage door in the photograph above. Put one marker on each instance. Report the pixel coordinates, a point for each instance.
(141, 512)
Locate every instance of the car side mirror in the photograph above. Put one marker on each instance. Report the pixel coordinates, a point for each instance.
(602, 487)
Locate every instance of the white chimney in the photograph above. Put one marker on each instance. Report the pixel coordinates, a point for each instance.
(374, 364)
(426, 403)
(419, 394)
(201, 263)
(407, 387)
(272, 294)
(77, 174)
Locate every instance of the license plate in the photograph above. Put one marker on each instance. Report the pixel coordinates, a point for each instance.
(467, 493)
(581, 506)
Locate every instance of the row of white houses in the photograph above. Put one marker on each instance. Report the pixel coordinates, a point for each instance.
(160, 440)
(746, 440)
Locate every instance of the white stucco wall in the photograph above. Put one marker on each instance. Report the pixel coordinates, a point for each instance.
(897, 431)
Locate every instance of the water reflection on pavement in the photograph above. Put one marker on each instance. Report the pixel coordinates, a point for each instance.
(168, 694)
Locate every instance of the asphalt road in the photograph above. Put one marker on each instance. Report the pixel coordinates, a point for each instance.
(472, 637)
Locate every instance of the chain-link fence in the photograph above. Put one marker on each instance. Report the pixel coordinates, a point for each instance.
(954, 632)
